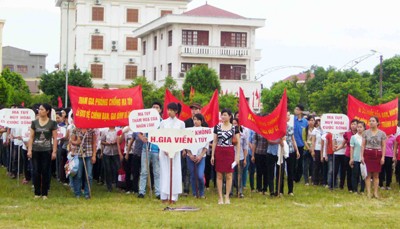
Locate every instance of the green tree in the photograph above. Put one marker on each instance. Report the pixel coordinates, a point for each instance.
(390, 80)
(15, 80)
(148, 91)
(203, 79)
(54, 83)
(228, 101)
(6, 93)
(270, 98)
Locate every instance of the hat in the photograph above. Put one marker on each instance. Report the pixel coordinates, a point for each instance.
(195, 105)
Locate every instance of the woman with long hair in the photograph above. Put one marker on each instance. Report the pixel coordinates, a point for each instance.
(223, 153)
(42, 148)
(355, 157)
(373, 154)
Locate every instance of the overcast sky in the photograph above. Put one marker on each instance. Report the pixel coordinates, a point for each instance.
(296, 32)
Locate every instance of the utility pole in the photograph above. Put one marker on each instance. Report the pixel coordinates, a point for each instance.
(380, 77)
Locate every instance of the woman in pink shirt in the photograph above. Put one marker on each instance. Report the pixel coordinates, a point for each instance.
(396, 158)
(387, 168)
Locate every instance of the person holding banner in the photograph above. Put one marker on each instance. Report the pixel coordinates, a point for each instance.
(172, 122)
(85, 141)
(347, 136)
(112, 156)
(373, 154)
(223, 153)
(196, 160)
(42, 148)
(355, 157)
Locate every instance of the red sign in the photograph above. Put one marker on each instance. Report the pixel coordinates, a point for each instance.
(96, 108)
(272, 126)
(386, 113)
(210, 111)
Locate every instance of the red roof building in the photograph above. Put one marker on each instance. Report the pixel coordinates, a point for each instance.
(301, 77)
(211, 11)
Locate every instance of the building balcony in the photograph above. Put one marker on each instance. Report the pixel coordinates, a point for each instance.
(215, 52)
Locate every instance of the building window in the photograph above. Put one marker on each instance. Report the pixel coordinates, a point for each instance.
(22, 68)
(97, 42)
(185, 67)
(97, 13)
(233, 39)
(165, 12)
(155, 73)
(155, 43)
(231, 72)
(170, 38)
(41, 67)
(9, 66)
(144, 73)
(170, 69)
(144, 47)
(130, 72)
(97, 71)
(131, 44)
(194, 37)
(132, 15)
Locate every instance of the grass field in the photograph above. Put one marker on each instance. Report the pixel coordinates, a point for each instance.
(311, 207)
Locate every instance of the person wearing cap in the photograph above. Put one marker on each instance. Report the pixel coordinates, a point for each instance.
(196, 109)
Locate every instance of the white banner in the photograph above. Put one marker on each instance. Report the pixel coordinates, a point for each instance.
(17, 118)
(171, 140)
(334, 123)
(202, 136)
(144, 120)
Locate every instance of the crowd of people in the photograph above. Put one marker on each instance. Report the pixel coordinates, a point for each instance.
(120, 158)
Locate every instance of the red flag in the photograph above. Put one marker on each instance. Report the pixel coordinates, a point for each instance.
(272, 126)
(60, 104)
(211, 110)
(186, 112)
(96, 108)
(23, 104)
(387, 113)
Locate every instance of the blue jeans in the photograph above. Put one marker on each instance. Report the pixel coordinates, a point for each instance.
(155, 161)
(81, 176)
(199, 178)
(111, 166)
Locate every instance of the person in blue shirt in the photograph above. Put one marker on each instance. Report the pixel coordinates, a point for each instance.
(299, 124)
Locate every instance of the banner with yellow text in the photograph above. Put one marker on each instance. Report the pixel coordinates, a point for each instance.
(386, 113)
(272, 126)
(96, 108)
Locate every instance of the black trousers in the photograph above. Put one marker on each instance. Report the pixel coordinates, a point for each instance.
(261, 168)
(290, 163)
(271, 162)
(26, 165)
(317, 175)
(340, 162)
(386, 172)
(349, 172)
(208, 171)
(299, 165)
(356, 177)
(132, 172)
(41, 172)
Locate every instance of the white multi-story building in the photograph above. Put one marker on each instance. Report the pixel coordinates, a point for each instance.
(96, 35)
(222, 40)
(1, 43)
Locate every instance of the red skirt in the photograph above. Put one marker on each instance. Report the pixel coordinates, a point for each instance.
(224, 157)
(372, 158)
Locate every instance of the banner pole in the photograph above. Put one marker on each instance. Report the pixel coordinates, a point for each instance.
(170, 180)
(280, 172)
(19, 158)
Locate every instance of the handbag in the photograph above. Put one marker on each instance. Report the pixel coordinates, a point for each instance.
(72, 166)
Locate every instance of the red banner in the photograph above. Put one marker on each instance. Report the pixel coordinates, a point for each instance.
(386, 113)
(272, 126)
(210, 111)
(96, 108)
